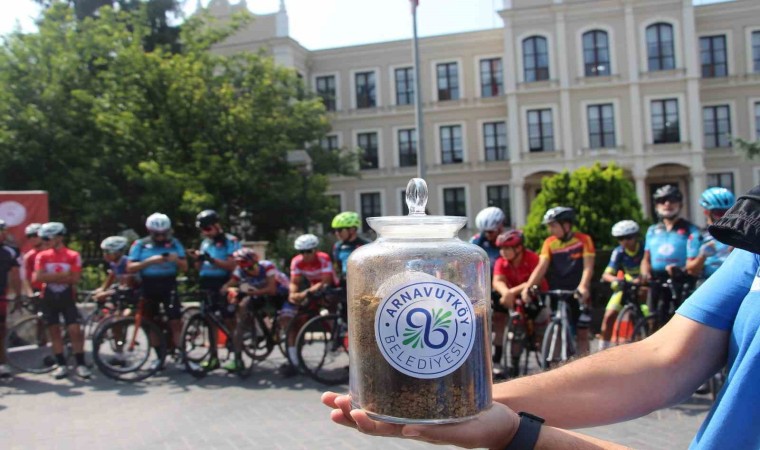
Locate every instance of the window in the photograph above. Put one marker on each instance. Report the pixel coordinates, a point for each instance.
(451, 144)
(404, 206)
(757, 121)
(448, 81)
(454, 203)
(407, 147)
(756, 51)
(499, 196)
(365, 90)
(540, 130)
(717, 126)
(491, 78)
(660, 47)
(601, 126)
(326, 90)
(724, 180)
(370, 204)
(713, 53)
(368, 143)
(495, 139)
(405, 86)
(535, 59)
(665, 127)
(596, 53)
(330, 142)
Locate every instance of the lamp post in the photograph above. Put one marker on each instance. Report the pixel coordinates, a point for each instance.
(302, 162)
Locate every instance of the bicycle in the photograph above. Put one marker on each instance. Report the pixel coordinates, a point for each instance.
(630, 324)
(322, 342)
(521, 337)
(558, 345)
(679, 285)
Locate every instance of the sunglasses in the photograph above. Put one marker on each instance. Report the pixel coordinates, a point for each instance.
(667, 199)
(338, 230)
(245, 264)
(46, 238)
(207, 229)
(305, 252)
(626, 238)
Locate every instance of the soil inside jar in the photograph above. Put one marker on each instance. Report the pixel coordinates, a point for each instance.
(382, 390)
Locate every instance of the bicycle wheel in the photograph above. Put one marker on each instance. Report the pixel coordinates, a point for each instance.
(556, 347)
(28, 346)
(514, 345)
(93, 320)
(123, 351)
(644, 327)
(322, 347)
(624, 326)
(245, 345)
(197, 340)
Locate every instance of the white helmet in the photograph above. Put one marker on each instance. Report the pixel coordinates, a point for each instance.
(306, 242)
(114, 244)
(158, 222)
(51, 229)
(490, 219)
(625, 228)
(32, 229)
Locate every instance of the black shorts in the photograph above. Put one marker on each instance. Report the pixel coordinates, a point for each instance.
(53, 305)
(157, 291)
(211, 286)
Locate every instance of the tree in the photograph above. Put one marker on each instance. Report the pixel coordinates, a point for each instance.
(115, 132)
(600, 195)
(751, 149)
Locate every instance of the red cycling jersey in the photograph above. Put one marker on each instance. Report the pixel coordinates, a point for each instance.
(55, 260)
(517, 275)
(315, 270)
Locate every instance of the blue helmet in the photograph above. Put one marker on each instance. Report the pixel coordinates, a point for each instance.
(717, 198)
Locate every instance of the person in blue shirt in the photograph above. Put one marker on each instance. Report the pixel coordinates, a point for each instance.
(159, 258)
(715, 201)
(718, 324)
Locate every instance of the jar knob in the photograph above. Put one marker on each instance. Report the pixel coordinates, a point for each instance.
(416, 196)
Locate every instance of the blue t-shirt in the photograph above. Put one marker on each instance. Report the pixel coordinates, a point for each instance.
(491, 249)
(342, 250)
(629, 263)
(717, 258)
(221, 248)
(672, 247)
(144, 248)
(730, 300)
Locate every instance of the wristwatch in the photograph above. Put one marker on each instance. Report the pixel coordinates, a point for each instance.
(527, 433)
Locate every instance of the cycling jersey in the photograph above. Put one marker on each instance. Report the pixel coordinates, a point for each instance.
(28, 267)
(672, 247)
(628, 262)
(145, 248)
(56, 260)
(566, 259)
(517, 275)
(220, 247)
(10, 257)
(313, 271)
(716, 259)
(343, 249)
(267, 269)
(491, 249)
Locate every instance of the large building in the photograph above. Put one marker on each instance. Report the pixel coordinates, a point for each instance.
(658, 86)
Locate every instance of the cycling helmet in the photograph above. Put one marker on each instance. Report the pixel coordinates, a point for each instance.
(717, 198)
(31, 229)
(51, 229)
(559, 214)
(625, 228)
(306, 242)
(158, 222)
(206, 218)
(668, 191)
(113, 244)
(510, 238)
(245, 256)
(490, 219)
(346, 219)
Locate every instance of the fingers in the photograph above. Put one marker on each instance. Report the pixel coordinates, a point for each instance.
(369, 426)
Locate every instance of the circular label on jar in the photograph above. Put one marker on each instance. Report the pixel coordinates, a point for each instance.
(425, 329)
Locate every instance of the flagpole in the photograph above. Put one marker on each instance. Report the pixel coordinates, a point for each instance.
(418, 96)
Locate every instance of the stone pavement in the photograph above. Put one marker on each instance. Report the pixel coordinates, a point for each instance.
(175, 411)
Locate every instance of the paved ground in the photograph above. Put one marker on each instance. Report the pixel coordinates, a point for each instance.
(175, 411)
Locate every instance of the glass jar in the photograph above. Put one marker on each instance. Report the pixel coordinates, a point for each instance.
(419, 319)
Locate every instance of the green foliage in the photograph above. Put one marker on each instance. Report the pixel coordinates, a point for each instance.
(601, 197)
(751, 149)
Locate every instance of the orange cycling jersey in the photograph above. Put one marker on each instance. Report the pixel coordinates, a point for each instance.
(566, 259)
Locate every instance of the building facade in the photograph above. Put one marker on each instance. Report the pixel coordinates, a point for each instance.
(657, 86)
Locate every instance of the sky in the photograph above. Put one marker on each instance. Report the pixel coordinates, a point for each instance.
(319, 24)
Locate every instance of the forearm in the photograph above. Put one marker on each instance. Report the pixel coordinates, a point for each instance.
(61, 277)
(608, 277)
(694, 266)
(588, 272)
(500, 286)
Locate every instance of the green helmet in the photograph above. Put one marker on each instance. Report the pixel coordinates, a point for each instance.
(346, 219)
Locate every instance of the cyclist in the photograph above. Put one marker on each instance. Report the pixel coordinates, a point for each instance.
(254, 280)
(490, 223)
(10, 261)
(626, 259)
(215, 264)
(568, 257)
(114, 253)
(310, 267)
(671, 246)
(712, 253)
(159, 258)
(59, 268)
(345, 225)
(27, 267)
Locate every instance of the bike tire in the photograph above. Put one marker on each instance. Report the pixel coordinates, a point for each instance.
(644, 328)
(551, 347)
(28, 347)
(322, 346)
(623, 336)
(138, 363)
(197, 340)
(514, 346)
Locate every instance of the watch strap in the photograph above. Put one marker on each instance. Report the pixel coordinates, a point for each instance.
(527, 433)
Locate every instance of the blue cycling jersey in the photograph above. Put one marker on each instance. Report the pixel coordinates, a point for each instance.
(119, 268)
(144, 248)
(343, 249)
(672, 247)
(491, 249)
(220, 247)
(622, 259)
(717, 256)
